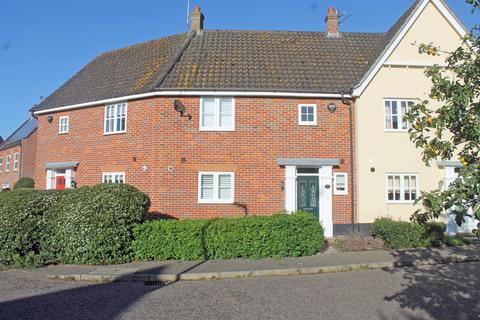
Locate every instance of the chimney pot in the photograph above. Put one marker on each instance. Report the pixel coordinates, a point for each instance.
(332, 23)
(196, 19)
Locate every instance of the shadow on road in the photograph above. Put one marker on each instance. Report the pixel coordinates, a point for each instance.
(97, 301)
(446, 291)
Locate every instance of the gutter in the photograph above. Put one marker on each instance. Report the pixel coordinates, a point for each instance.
(193, 92)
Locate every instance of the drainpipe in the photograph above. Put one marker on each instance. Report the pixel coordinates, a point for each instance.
(349, 103)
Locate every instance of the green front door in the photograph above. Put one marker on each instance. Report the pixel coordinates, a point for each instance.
(307, 194)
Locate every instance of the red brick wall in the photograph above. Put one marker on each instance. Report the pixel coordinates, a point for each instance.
(266, 129)
(12, 176)
(29, 153)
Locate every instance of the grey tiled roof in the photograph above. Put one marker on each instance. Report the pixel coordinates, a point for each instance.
(23, 132)
(226, 59)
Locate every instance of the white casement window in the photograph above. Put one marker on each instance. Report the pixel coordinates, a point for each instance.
(217, 114)
(16, 161)
(402, 188)
(307, 114)
(113, 177)
(1, 165)
(7, 163)
(216, 187)
(341, 183)
(395, 110)
(116, 118)
(63, 124)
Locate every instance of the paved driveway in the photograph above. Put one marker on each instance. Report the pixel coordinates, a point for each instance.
(437, 292)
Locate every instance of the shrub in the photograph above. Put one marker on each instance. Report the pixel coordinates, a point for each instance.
(94, 225)
(24, 183)
(457, 241)
(401, 234)
(170, 239)
(358, 243)
(22, 225)
(280, 235)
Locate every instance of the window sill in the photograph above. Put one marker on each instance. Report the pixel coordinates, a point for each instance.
(395, 131)
(114, 133)
(400, 202)
(312, 124)
(218, 129)
(340, 194)
(62, 133)
(216, 201)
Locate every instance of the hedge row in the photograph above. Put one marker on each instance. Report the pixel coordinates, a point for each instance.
(401, 234)
(88, 225)
(280, 235)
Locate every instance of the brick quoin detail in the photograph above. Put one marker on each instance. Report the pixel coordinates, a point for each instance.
(157, 137)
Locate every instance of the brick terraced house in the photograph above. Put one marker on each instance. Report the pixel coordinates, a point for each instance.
(17, 154)
(223, 123)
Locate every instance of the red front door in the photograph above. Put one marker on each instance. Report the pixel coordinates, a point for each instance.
(60, 183)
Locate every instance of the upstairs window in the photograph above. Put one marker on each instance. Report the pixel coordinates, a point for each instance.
(402, 188)
(116, 118)
(63, 124)
(113, 177)
(216, 187)
(307, 114)
(16, 160)
(217, 114)
(395, 111)
(341, 183)
(7, 163)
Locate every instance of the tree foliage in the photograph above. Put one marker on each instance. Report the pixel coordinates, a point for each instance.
(451, 131)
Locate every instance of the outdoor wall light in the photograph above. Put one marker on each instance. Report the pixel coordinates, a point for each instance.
(372, 169)
(49, 119)
(282, 185)
(332, 107)
(170, 169)
(144, 168)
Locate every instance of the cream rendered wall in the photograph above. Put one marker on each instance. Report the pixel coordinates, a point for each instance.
(393, 152)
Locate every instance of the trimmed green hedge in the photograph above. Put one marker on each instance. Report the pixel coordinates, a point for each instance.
(280, 235)
(22, 225)
(24, 183)
(94, 225)
(401, 234)
(91, 225)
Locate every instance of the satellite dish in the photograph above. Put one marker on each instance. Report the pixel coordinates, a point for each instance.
(178, 106)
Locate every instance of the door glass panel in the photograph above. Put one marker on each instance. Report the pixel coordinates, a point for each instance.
(313, 193)
(302, 194)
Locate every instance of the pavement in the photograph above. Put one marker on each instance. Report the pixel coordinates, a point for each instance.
(330, 261)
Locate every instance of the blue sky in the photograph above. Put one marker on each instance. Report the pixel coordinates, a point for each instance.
(43, 43)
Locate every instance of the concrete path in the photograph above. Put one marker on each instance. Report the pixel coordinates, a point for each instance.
(327, 262)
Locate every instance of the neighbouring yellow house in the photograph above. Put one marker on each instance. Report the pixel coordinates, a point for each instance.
(390, 172)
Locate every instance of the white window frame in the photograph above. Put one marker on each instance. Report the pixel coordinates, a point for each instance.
(335, 190)
(7, 163)
(402, 188)
(63, 128)
(399, 114)
(1, 164)
(115, 130)
(113, 174)
(16, 160)
(217, 126)
(216, 199)
(307, 123)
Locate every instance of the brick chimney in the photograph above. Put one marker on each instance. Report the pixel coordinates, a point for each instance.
(332, 23)
(196, 19)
